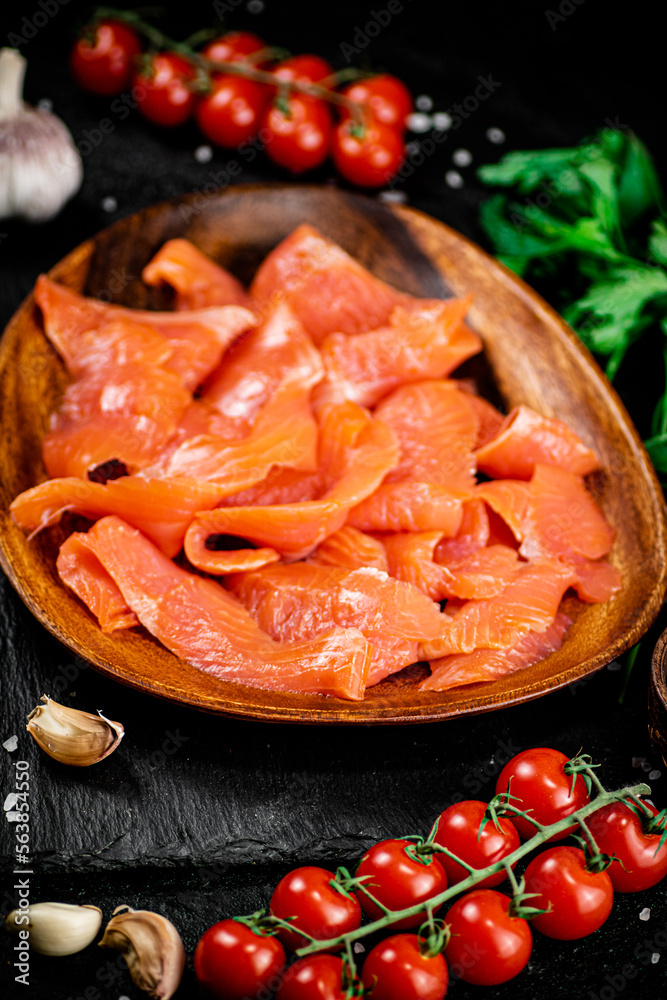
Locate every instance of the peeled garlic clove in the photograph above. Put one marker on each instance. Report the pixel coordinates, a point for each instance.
(56, 928)
(152, 948)
(71, 736)
(40, 167)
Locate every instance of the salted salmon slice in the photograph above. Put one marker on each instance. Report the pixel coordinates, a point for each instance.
(303, 599)
(203, 623)
(529, 603)
(410, 506)
(217, 559)
(348, 547)
(484, 573)
(328, 290)
(509, 499)
(426, 339)
(563, 518)
(490, 420)
(436, 428)
(281, 486)
(161, 508)
(197, 339)
(473, 534)
(278, 352)
(597, 581)
(81, 570)
(356, 452)
(284, 433)
(525, 439)
(197, 281)
(488, 664)
(74, 449)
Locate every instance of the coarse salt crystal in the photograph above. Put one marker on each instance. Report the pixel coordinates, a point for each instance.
(10, 801)
(654, 775)
(645, 913)
(418, 122)
(442, 121)
(46, 104)
(614, 665)
(453, 179)
(11, 744)
(495, 135)
(655, 958)
(412, 148)
(109, 204)
(358, 948)
(203, 154)
(393, 197)
(256, 6)
(462, 157)
(424, 103)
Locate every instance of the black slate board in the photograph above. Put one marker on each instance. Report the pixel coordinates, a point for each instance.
(198, 817)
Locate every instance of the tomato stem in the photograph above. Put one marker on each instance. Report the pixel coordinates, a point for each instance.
(543, 834)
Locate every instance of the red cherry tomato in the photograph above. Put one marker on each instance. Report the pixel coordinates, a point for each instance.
(303, 69)
(387, 98)
(230, 114)
(232, 962)
(396, 970)
(398, 879)
(301, 140)
(371, 160)
(488, 946)
(541, 786)
(163, 92)
(102, 59)
(458, 830)
(235, 46)
(319, 909)
(579, 901)
(618, 830)
(317, 977)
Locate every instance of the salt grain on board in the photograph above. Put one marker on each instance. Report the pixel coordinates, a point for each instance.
(109, 204)
(46, 104)
(11, 744)
(453, 179)
(442, 121)
(203, 154)
(424, 103)
(645, 913)
(495, 135)
(10, 801)
(655, 957)
(418, 122)
(393, 197)
(654, 775)
(256, 6)
(462, 157)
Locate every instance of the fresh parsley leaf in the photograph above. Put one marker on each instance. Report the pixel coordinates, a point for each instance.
(639, 188)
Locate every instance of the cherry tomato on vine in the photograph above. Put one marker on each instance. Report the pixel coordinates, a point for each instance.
(316, 977)
(318, 908)
(163, 89)
(618, 830)
(396, 969)
(370, 160)
(458, 830)
(303, 69)
(488, 945)
(399, 878)
(301, 139)
(230, 114)
(102, 59)
(235, 46)
(387, 98)
(541, 785)
(579, 901)
(232, 962)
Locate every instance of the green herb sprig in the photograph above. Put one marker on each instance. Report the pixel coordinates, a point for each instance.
(595, 211)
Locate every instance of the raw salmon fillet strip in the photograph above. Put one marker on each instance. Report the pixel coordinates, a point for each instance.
(426, 340)
(526, 438)
(489, 664)
(201, 622)
(528, 604)
(197, 281)
(302, 600)
(161, 508)
(328, 290)
(81, 570)
(351, 548)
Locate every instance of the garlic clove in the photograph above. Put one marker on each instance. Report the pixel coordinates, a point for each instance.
(152, 948)
(56, 928)
(71, 736)
(40, 167)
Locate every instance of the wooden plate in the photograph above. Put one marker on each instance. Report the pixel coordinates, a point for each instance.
(535, 359)
(657, 697)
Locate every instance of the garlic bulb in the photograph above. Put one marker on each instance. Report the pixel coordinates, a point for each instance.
(152, 948)
(40, 168)
(71, 736)
(56, 928)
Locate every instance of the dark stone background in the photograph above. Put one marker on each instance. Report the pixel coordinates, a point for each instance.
(198, 817)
